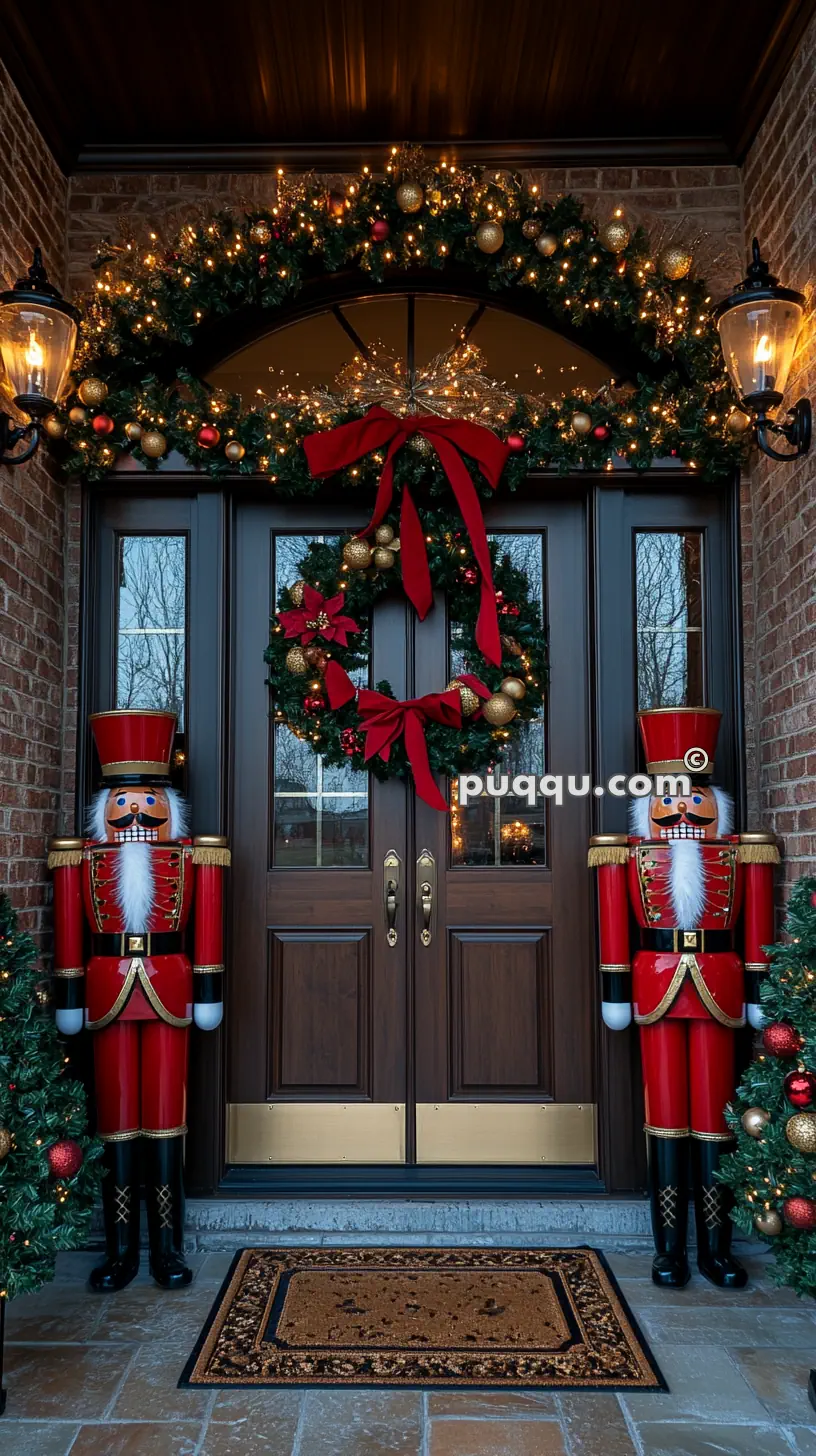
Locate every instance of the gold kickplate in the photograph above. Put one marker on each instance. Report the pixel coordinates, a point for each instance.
(506, 1132)
(316, 1132)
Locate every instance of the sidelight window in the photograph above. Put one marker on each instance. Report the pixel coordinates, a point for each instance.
(669, 618)
(151, 631)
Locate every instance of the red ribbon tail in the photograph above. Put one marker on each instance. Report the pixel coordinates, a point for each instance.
(417, 750)
(339, 687)
(487, 625)
(416, 574)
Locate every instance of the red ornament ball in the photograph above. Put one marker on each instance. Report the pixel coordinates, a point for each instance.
(781, 1039)
(601, 432)
(314, 703)
(208, 437)
(103, 425)
(470, 575)
(65, 1158)
(800, 1089)
(515, 443)
(380, 230)
(349, 741)
(800, 1213)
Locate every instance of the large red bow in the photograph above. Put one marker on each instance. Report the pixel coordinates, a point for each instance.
(384, 720)
(317, 616)
(328, 451)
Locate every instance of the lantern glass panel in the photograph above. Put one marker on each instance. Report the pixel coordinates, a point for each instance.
(37, 349)
(758, 341)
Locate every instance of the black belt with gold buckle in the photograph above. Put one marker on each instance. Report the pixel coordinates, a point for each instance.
(679, 941)
(138, 942)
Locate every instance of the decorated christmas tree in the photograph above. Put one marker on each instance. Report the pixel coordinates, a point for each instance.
(773, 1170)
(49, 1174)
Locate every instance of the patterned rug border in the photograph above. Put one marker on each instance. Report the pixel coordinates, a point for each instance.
(189, 1379)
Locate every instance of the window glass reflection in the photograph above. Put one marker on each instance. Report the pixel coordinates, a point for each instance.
(151, 623)
(669, 619)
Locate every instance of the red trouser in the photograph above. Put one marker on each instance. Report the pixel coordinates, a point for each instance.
(141, 1079)
(688, 1077)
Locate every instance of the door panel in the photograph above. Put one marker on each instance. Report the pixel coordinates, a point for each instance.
(500, 1000)
(320, 1008)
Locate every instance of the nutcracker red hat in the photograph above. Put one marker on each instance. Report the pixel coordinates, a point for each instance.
(670, 733)
(134, 745)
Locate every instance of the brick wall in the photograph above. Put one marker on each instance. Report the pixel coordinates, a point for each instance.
(780, 544)
(38, 579)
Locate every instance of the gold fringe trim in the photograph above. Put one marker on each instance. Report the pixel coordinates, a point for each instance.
(61, 859)
(758, 854)
(204, 855)
(666, 1132)
(607, 854)
(713, 1137)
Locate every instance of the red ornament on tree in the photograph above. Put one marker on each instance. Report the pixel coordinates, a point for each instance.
(350, 742)
(65, 1158)
(380, 230)
(800, 1213)
(515, 443)
(601, 432)
(314, 703)
(208, 437)
(103, 425)
(470, 575)
(781, 1039)
(800, 1089)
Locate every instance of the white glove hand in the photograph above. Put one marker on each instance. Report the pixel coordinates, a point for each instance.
(70, 1022)
(207, 1016)
(617, 1015)
(756, 1015)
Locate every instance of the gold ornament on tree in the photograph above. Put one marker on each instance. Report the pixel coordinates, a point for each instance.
(384, 535)
(738, 422)
(571, 235)
(511, 645)
(260, 233)
(514, 688)
(410, 197)
(77, 415)
(768, 1222)
(383, 558)
(546, 244)
(5, 1143)
(581, 422)
(421, 445)
(133, 431)
(800, 1131)
(499, 709)
(296, 661)
(489, 237)
(54, 427)
(296, 593)
(531, 227)
(234, 450)
(93, 392)
(153, 444)
(755, 1121)
(675, 261)
(614, 235)
(470, 700)
(357, 554)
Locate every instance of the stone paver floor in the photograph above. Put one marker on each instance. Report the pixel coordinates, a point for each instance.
(87, 1374)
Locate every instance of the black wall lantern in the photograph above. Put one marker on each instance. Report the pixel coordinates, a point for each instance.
(759, 324)
(38, 334)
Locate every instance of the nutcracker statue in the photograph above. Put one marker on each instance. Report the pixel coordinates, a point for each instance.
(687, 877)
(136, 881)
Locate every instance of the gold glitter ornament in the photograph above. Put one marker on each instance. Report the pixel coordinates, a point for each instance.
(296, 661)
(531, 227)
(383, 558)
(260, 233)
(499, 709)
(357, 554)
(93, 392)
(755, 1121)
(675, 261)
(5, 1143)
(614, 235)
(768, 1222)
(546, 244)
(422, 446)
(154, 444)
(571, 236)
(410, 197)
(514, 688)
(489, 237)
(133, 431)
(384, 535)
(470, 700)
(296, 593)
(800, 1131)
(54, 427)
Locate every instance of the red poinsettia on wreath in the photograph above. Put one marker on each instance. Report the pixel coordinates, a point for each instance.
(318, 617)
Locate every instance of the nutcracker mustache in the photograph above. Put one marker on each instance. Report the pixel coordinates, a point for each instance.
(146, 827)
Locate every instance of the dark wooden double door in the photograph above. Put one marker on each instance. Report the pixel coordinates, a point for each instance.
(467, 1038)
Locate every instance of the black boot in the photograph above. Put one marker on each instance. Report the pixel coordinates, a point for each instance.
(712, 1205)
(668, 1191)
(120, 1205)
(164, 1197)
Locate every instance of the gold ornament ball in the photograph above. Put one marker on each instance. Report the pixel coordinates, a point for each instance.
(514, 688)
(768, 1222)
(154, 444)
(614, 235)
(738, 422)
(571, 235)
(546, 244)
(470, 700)
(755, 1121)
(260, 233)
(357, 554)
(489, 237)
(531, 227)
(581, 422)
(234, 450)
(674, 262)
(77, 415)
(384, 535)
(54, 427)
(422, 446)
(410, 197)
(93, 392)
(296, 661)
(499, 710)
(5, 1143)
(800, 1131)
(296, 593)
(383, 558)
(133, 430)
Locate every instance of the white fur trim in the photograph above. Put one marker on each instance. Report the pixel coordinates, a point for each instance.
(639, 817)
(686, 882)
(96, 815)
(134, 883)
(179, 814)
(725, 812)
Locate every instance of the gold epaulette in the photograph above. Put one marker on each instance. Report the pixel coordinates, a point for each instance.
(211, 849)
(607, 849)
(758, 847)
(63, 851)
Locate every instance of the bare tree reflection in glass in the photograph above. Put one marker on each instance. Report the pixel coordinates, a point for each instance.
(669, 609)
(151, 635)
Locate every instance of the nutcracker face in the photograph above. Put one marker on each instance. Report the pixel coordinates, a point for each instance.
(688, 816)
(140, 814)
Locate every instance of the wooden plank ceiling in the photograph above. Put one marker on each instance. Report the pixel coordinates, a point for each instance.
(325, 82)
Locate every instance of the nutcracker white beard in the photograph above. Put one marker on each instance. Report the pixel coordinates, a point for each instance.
(686, 860)
(134, 883)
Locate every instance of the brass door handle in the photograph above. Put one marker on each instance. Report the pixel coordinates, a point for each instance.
(426, 900)
(391, 881)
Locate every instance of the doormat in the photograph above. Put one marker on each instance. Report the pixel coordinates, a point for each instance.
(544, 1319)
